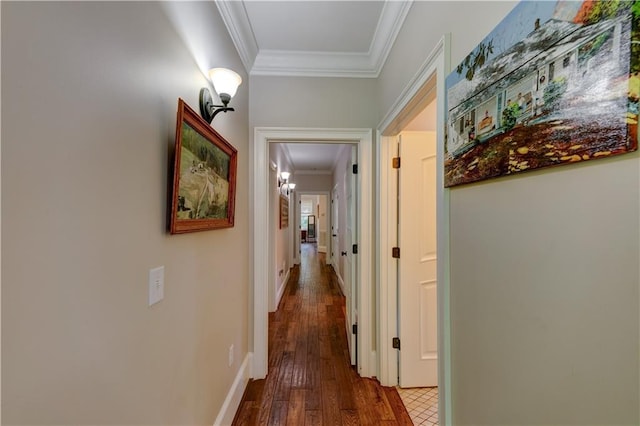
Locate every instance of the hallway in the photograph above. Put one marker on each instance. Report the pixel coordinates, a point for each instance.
(310, 380)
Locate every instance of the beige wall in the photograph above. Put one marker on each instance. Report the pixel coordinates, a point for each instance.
(468, 22)
(544, 268)
(544, 292)
(308, 182)
(281, 238)
(90, 96)
(313, 102)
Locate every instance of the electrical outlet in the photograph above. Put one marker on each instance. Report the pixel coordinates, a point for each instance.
(230, 355)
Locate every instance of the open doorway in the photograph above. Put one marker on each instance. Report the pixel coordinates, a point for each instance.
(261, 187)
(413, 281)
(313, 220)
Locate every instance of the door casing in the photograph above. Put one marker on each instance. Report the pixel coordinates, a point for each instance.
(259, 175)
(430, 78)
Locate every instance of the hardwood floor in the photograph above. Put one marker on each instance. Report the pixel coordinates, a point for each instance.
(310, 380)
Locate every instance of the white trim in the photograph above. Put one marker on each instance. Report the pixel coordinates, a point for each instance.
(340, 281)
(314, 172)
(387, 318)
(443, 231)
(283, 285)
(391, 19)
(413, 87)
(234, 396)
(237, 22)
(437, 64)
(373, 357)
(314, 63)
(259, 154)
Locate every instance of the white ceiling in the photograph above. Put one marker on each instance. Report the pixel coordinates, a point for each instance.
(312, 158)
(326, 38)
(314, 38)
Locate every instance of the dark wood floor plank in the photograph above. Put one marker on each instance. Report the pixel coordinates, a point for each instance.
(330, 408)
(349, 417)
(346, 399)
(400, 411)
(378, 399)
(295, 415)
(278, 415)
(310, 380)
(313, 418)
(245, 413)
(255, 388)
(283, 385)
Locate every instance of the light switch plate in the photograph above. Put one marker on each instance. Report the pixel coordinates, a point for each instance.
(156, 285)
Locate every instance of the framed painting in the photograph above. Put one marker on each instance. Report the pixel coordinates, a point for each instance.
(204, 177)
(284, 211)
(556, 82)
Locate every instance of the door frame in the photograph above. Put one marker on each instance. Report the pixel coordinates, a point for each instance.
(429, 78)
(298, 217)
(259, 174)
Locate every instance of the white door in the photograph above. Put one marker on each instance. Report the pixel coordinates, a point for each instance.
(350, 259)
(417, 285)
(335, 242)
(350, 264)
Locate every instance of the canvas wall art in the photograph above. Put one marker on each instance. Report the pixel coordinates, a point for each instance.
(554, 83)
(204, 178)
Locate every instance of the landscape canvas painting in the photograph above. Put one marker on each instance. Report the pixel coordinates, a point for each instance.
(554, 83)
(204, 178)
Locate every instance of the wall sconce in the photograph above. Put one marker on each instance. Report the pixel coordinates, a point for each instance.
(225, 82)
(290, 186)
(283, 178)
(283, 183)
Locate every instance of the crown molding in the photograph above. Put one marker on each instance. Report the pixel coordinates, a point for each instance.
(287, 155)
(313, 172)
(312, 63)
(391, 19)
(237, 22)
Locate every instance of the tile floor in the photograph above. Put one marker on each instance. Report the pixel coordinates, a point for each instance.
(422, 405)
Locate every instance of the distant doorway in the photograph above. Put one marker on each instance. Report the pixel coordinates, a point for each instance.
(259, 173)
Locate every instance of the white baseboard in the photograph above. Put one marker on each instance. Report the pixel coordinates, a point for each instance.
(373, 364)
(232, 401)
(322, 249)
(340, 282)
(283, 285)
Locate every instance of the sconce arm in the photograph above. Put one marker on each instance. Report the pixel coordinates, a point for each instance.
(207, 109)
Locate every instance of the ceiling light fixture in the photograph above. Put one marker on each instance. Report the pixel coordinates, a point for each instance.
(225, 83)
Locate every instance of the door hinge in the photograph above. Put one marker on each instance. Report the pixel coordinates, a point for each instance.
(354, 328)
(395, 163)
(354, 249)
(395, 343)
(395, 252)
(355, 169)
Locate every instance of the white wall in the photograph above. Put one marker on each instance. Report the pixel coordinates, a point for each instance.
(89, 102)
(544, 268)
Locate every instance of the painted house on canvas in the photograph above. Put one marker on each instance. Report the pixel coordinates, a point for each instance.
(560, 69)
